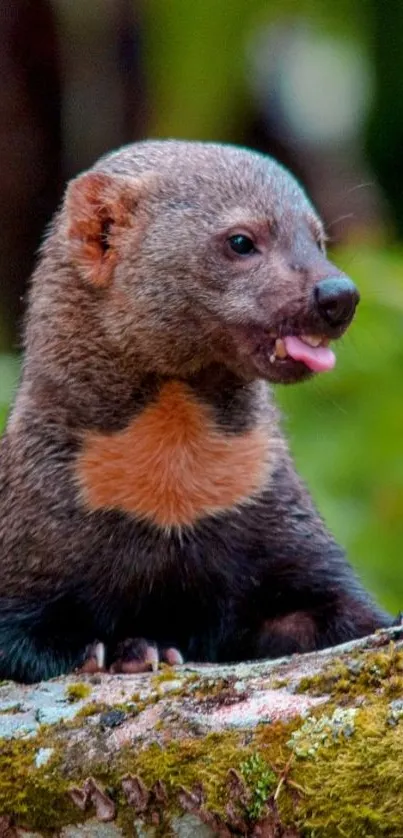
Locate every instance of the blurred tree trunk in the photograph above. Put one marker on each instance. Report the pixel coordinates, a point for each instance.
(104, 102)
(386, 130)
(71, 89)
(30, 145)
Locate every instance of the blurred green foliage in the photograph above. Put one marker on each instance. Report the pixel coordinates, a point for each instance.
(346, 428)
(195, 58)
(9, 369)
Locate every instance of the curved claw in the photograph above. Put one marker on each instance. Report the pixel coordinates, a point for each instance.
(94, 660)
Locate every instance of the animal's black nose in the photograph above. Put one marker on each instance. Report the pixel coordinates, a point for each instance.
(336, 298)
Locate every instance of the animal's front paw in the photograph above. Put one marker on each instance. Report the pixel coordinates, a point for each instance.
(129, 656)
(94, 659)
(140, 655)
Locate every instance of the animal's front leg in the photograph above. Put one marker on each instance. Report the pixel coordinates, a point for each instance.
(308, 597)
(40, 641)
(336, 621)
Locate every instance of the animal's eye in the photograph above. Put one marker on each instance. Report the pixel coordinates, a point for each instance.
(242, 245)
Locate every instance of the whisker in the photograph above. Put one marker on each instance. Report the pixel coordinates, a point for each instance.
(340, 218)
(364, 185)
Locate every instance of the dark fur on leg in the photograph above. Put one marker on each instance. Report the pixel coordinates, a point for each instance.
(39, 641)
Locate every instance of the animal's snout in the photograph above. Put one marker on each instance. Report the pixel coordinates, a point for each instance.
(336, 298)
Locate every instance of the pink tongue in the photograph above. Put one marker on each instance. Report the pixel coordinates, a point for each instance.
(318, 359)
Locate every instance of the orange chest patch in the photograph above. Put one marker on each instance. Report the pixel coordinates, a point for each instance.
(172, 465)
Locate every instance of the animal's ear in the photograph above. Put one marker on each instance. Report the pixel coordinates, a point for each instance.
(99, 207)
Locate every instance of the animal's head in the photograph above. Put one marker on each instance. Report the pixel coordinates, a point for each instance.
(197, 253)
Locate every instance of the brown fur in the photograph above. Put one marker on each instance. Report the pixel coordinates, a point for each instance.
(298, 624)
(172, 465)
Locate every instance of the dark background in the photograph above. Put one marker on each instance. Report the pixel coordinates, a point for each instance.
(317, 84)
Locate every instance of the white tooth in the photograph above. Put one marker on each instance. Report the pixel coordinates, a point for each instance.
(272, 359)
(280, 349)
(312, 340)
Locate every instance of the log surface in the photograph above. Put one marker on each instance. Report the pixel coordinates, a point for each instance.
(301, 746)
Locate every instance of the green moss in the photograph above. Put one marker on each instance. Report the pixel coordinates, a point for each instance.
(353, 785)
(166, 673)
(208, 761)
(279, 683)
(38, 799)
(261, 781)
(212, 687)
(92, 708)
(186, 686)
(95, 708)
(359, 676)
(78, 691)
(187, 763)
(33, 796)
(336, 773)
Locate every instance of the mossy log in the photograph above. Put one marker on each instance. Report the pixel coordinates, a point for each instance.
(310, 745)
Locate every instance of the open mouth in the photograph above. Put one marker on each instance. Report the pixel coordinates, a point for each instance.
(311, 350)
(289, 358)
(285, 358)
